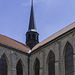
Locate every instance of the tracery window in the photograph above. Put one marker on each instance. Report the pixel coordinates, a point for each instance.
(69, 66)
(3, 66)
(37, 67)
(51, 63)
(19, 68)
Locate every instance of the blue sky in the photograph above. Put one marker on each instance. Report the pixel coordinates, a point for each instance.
(50, 17)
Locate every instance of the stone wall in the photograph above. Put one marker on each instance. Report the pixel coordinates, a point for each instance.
(58, 48)
(12, 57)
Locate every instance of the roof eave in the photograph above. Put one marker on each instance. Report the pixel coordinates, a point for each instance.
(51, 40)
(14, 49)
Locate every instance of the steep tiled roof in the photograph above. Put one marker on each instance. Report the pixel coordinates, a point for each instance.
(57, 34)
(13, 43)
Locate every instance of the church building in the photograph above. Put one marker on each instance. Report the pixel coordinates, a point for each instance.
(53, 56)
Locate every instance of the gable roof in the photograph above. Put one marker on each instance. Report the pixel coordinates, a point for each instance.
(57, 34)
(13, 43)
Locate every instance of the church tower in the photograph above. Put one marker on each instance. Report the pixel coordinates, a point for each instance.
(32, 34)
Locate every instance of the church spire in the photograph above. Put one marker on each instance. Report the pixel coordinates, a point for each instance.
(32, 34)
(32, 21)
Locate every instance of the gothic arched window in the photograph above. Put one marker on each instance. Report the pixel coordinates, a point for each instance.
(29, 36)
(69, 66)
(34, 36)
(37, 67)
(3, 66)
(51, 63)
(19, 69)
(37, 37)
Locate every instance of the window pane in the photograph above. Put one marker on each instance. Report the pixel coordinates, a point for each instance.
(36, 67)
(69, 67)
(51, 64)
(19, 69)
(3, 66)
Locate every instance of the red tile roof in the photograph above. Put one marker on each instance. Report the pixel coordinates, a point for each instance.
(13, 43)
(71, 26)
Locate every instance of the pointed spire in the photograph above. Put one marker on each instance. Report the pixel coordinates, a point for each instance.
(32, 22)
(32, 35)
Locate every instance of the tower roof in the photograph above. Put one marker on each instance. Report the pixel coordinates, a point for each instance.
(32, 22)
